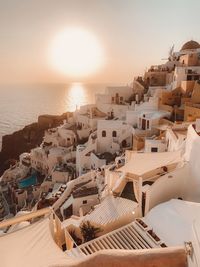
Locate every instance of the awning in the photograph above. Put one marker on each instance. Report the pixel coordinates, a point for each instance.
(111, 209)
(141, 163)
(32, 246)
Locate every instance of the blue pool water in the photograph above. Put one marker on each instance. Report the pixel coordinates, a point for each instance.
(31, 180)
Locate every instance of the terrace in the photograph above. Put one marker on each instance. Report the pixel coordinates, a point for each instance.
(135, 235)
(49, 246)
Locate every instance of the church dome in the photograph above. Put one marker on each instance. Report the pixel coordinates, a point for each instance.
(190, 45)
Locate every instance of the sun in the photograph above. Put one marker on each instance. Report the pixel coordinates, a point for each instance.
(76, 52)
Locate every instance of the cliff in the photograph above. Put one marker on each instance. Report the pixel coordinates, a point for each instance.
(27, 138)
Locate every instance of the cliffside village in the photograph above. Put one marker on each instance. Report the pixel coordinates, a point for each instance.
(126, 166)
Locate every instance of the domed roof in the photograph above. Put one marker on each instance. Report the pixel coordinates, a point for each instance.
(190, 45)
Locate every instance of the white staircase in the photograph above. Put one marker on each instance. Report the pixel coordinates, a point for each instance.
(131, 236)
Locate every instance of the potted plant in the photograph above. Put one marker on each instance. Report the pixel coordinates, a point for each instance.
(88, 231)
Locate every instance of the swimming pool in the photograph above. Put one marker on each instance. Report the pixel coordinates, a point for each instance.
(31, 180)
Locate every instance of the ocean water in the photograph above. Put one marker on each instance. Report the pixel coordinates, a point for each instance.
(22, 104)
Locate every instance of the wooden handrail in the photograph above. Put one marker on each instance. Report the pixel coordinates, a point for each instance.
(25, 217)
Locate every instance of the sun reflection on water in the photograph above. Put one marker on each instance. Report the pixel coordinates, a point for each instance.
(75, 96)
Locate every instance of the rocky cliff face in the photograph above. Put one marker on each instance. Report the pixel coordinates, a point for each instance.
(27, 138)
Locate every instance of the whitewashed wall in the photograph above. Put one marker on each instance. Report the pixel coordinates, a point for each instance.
(171, 185)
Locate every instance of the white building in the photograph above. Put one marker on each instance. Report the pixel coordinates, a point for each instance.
(148, 119)
(81, 195)
(113, 135)
(83, 154)
(86, 119)
(44, 158)
(116, 101)
(146, 114)
(60, 136)
(155, 145)
(185, 73)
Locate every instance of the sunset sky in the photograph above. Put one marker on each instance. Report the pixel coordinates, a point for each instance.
(133, 34)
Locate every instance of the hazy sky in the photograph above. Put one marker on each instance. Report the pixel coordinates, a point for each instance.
(133, 33)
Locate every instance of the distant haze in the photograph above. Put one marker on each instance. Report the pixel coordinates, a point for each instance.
(134, 34)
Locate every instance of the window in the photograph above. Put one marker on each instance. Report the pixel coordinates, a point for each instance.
(103, 133)
(147, 124)
(154, 149)
(84, 201)
(189, 77)
(114, 134)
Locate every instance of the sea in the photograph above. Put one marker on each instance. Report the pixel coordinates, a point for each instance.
(21, 105)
